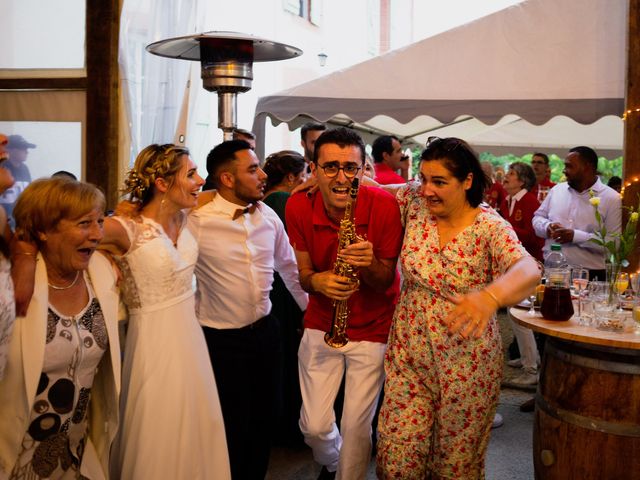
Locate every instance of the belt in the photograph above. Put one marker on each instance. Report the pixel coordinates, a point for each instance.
(257, 324)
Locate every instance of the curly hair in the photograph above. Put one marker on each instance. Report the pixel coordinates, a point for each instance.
(153, 162)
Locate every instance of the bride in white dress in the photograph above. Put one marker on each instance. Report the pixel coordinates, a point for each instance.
(171, 424)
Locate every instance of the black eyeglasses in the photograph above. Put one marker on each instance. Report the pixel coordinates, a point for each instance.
(331, 170)
(448, 144)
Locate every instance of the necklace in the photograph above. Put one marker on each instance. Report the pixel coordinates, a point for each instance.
(75, 279)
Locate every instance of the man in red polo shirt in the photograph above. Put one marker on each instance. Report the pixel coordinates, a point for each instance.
(313, 222)
(388, 160)
(540, 165)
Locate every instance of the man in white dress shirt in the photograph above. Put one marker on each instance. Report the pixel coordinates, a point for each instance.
(242, 241)
(567, 217)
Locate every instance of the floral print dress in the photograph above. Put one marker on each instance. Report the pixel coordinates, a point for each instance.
(441, 392)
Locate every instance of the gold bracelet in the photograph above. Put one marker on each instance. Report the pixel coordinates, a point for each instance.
(492, 295)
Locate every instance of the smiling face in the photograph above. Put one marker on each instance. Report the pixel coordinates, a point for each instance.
(445, 194)
(335, 191)
(68, 247)
(186, 185)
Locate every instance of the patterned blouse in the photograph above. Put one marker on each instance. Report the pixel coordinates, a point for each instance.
(55, 439)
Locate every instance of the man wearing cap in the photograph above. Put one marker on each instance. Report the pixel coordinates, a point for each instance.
(18, 150)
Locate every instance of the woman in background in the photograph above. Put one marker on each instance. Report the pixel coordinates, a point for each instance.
(59, 396)
(7, 304)
(285, 171)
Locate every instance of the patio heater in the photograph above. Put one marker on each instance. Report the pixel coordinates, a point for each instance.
(226, 60)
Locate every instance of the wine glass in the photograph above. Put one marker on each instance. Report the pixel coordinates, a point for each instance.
(532, 301)
(580, 280)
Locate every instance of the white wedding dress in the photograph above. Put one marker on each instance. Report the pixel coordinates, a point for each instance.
(171, 424)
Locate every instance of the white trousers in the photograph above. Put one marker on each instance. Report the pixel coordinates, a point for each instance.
(321, 368)
(526, 345)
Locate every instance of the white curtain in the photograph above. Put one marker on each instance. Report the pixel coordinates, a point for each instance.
(153, 87)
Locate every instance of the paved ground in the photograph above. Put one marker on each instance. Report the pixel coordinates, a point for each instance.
(509, 456)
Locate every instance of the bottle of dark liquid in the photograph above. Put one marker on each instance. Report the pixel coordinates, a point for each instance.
(556, 304)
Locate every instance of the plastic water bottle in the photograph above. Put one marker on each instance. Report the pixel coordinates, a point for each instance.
(556, 304)
(555, 258)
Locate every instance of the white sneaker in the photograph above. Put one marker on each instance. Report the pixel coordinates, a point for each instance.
(525, 379)
(516, 363)
(497, 421)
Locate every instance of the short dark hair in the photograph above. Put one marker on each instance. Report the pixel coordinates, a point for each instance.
(588, 155)
(544, 156)
(525, 174)
(341, 136)
(221, 155)
(383, 144)
(614, 181)
(461, 160)
(280, 164)
(320, 127)
(64, 173)
(242, 131)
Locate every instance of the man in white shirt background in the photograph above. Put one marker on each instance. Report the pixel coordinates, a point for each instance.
(567, 217)
(242, 241)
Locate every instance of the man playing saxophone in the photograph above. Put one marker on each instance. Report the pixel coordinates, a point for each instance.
(316, 222)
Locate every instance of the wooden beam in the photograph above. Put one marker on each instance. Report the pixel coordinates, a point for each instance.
(631, 166)
(102, 30)
(72, 83)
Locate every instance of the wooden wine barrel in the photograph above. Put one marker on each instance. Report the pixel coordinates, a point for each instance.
(587, 420)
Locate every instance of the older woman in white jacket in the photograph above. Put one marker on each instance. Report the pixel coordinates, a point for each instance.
(59, 396)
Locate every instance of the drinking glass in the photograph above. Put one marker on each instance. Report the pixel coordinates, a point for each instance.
(580, 280)
(621, 284)
(636, 316)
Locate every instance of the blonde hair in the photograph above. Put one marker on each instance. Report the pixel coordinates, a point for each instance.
(46, 201)
(153, 162)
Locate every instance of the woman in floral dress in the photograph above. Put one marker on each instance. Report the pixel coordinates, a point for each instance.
(461, 262)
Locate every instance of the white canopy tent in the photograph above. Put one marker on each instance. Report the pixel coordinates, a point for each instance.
(541, 75)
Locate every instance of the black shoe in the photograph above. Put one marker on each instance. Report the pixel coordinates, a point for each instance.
(326, 474)
(528, 406)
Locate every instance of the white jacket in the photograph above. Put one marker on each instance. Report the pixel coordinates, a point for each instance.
(24, 366)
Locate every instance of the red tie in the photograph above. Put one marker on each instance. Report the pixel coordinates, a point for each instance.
(241, 211)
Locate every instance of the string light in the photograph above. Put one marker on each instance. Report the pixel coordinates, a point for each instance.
(629, 112)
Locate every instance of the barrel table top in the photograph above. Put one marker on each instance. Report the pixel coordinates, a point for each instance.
(571, 330)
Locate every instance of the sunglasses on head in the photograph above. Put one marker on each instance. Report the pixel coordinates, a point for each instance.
(447, 144)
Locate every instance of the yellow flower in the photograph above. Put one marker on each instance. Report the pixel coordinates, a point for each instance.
(634, 217)
(595, 201)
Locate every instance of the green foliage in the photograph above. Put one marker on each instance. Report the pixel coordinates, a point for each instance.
(607, 168)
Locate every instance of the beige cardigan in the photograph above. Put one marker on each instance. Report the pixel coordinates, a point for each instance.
(24, 365)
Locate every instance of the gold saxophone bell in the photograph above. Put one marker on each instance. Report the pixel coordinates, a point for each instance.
(337, 336)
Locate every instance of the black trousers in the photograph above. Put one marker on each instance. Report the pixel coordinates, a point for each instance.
(245, 362)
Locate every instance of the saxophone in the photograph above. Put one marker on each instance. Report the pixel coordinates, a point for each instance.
(337, 336)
